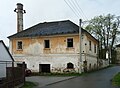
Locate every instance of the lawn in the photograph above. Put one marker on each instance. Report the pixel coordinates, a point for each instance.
(29, 85)
(116, 79)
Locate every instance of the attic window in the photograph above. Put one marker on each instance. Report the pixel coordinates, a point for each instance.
(70, 42)
(19, 45)
(47, 43)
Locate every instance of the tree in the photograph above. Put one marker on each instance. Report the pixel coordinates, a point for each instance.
(106, 30)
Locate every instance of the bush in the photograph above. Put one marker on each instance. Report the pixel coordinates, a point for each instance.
(116, 79)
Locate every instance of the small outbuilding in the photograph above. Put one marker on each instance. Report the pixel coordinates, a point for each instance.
(5, 57)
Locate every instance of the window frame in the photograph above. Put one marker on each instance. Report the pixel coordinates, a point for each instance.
(17, 47)
(69, 42)
(90, 46)
(46, 45)
(95, 48)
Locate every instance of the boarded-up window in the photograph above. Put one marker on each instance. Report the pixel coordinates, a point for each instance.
(19, 45)
(47, 43)
(70, 42)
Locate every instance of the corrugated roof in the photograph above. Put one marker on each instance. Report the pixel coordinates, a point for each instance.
(48, 28)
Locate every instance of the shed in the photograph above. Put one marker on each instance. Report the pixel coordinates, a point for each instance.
(5, 57)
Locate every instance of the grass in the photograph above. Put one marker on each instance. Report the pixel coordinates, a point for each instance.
(116, 79)
(55, 74)
(28, 85)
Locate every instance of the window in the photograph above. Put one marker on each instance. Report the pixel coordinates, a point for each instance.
(94, 48)
(90, 45)
(19, 45)
(70, 66)
(70, 42)
(47, 43)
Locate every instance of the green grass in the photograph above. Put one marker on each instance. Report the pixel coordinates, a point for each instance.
(55, 74)
(29, 85)
(116, 79)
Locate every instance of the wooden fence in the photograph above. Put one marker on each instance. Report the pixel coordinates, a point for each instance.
(15, 76)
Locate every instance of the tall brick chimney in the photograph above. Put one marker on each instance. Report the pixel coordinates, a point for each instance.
(19, 10)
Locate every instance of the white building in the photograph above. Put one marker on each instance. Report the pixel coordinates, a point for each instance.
(5, 57)
(55, 47)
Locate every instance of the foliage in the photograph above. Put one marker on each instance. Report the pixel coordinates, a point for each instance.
(116, 80)
(106, 30)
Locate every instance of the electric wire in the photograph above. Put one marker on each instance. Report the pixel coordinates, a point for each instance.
(80, 9)
(71, 9)
(77, 10)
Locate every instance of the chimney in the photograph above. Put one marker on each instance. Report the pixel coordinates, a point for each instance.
(19, 10)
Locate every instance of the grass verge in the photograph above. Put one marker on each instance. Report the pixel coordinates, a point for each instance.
(116, 80)
(28, 85)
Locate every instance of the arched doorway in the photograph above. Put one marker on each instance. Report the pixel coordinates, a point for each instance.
(70, 66)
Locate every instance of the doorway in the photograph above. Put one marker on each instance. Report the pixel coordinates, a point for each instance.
(44, 68)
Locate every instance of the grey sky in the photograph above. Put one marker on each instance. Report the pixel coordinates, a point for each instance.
(50, 10)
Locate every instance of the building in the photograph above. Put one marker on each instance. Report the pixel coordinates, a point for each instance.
(118, 54)
(54, 47)
(5, 56)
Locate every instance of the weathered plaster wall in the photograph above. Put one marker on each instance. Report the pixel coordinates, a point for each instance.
(58, 62)
(58, 55)
(35, 46)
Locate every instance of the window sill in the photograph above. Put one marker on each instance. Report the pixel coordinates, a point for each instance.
(69, 48)
(19, 49)
(46, 48)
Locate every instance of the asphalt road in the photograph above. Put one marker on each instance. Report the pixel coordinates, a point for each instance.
(99, 79)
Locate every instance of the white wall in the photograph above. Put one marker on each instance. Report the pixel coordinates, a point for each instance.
(4, 56)
(57, 61)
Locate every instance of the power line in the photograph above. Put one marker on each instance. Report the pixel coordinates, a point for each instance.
(76, 7)
(80, 9)
(71, 8)
(77, 10)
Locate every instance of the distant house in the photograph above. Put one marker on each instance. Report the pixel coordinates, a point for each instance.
(118, 54)
(5, 56)
(54, 47)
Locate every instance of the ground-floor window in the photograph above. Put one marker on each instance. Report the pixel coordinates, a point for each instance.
(44, 68)
(70, 66)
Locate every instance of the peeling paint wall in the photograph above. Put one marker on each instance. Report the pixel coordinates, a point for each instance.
(58, 55)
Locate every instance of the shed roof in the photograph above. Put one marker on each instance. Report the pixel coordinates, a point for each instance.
(7, 51)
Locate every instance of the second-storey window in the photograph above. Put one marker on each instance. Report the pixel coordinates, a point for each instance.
(19, 45)
(90, 45)
(47, 43)
(70, 42)
(94, 48)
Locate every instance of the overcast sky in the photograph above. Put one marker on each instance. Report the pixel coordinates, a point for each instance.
(50, 10)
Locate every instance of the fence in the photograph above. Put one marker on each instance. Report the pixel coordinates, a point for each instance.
(13, 75)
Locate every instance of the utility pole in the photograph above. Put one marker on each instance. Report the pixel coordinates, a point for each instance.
(80, 42)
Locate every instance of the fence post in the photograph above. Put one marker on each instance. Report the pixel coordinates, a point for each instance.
(13, 76)
(23, 71)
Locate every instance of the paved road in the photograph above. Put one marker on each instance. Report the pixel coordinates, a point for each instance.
(46, 80)
(99, 79)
